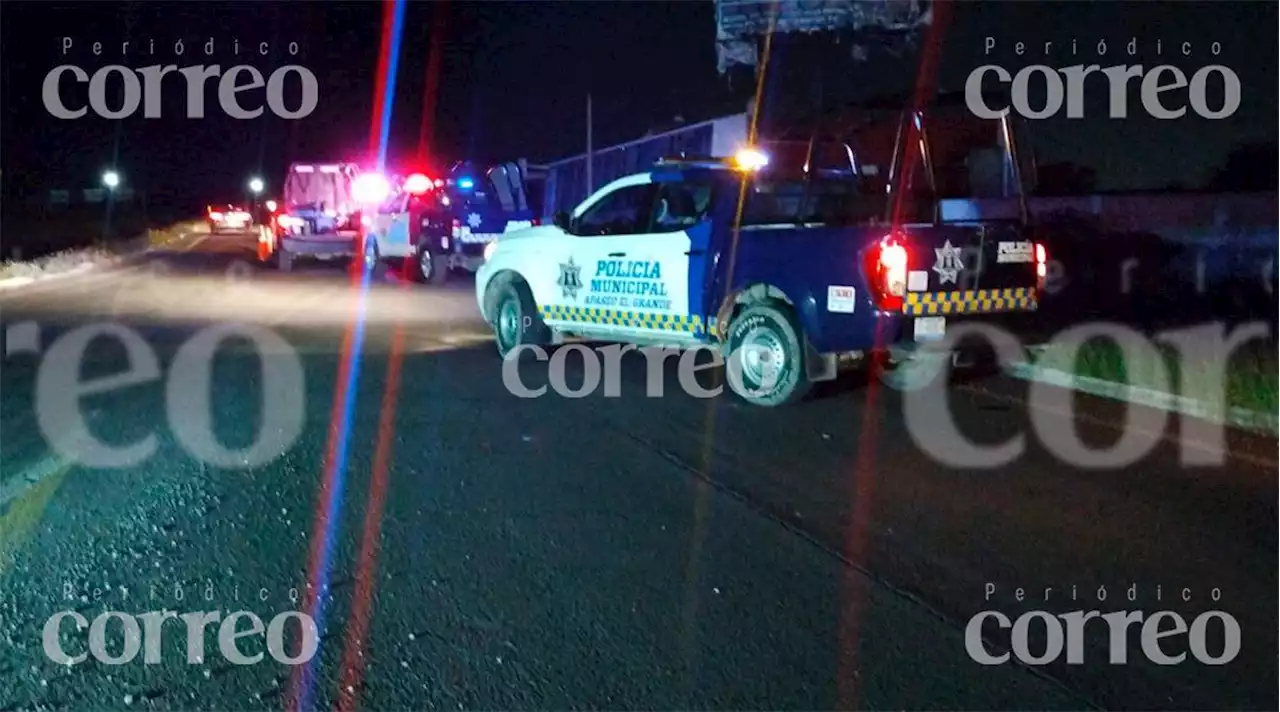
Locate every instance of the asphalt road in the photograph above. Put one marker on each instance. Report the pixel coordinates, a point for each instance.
(474, 550)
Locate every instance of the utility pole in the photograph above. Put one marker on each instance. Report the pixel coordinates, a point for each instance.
(591, 159)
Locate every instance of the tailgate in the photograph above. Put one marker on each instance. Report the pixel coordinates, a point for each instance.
(968, 268)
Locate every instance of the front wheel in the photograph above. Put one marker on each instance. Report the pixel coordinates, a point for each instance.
(766, 359)
(372, 261)
(515, 318)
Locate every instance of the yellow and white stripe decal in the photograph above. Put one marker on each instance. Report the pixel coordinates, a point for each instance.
(627, 319)
(971, 302)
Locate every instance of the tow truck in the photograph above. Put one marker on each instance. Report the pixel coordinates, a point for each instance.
(443, 224)
(816, 268)
(324, 211)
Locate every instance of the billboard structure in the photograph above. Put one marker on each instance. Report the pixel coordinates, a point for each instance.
(741, 24)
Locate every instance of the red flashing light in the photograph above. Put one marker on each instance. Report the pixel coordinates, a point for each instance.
(417, 184)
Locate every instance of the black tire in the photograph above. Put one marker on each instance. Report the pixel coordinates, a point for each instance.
(766, 359)
(515, 318)
(370, 259)
(429, 266)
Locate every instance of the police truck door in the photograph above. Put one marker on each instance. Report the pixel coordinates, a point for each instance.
(645, 277)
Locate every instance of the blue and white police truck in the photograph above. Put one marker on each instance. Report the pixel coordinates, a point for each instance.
(443, 224)
(788, 274)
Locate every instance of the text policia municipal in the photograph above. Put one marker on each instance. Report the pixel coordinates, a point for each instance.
(143, 86)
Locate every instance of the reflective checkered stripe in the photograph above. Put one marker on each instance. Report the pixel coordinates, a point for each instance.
(971, 302)
(463, 234)
(626, 319)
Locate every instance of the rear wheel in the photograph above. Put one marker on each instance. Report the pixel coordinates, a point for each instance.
(766, 359)
(432, 268)
(515, 318)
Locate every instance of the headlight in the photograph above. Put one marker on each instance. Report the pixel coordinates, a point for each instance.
(489, 249)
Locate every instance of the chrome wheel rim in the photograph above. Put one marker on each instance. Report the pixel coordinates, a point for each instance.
(509, 324)
(425, 263)
(763, 357)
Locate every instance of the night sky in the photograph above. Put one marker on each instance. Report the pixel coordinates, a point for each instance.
(514, 76)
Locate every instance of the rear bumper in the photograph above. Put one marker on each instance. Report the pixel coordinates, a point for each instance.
(337, 245)
(230, 224)
(1023, 326)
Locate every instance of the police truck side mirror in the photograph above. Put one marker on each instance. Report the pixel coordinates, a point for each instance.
(561, 220)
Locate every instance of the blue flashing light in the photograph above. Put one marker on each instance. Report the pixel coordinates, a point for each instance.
(466, 183)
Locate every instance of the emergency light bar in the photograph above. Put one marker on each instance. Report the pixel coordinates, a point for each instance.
(371, 188)
(746, 159)
(417, 184)
(328, 169)
(304, 169)
(750, 159)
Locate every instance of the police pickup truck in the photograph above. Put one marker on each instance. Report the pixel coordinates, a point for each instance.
(444, 224)
(782, 274)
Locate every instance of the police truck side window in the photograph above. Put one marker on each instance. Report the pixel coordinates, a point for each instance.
(625, 211)
(796, 203)
(680, 206)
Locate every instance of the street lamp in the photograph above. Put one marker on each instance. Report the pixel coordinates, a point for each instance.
(111, 179)
(256, 185)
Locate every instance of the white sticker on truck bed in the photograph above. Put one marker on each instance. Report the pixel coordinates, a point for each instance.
(1015, 252)
(917, 280)
(840, 299)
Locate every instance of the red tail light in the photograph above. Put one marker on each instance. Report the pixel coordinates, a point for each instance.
(885, 266)
(1042, 263)
(536, 222)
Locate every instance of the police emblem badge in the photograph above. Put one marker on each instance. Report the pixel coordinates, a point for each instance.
(570, 280)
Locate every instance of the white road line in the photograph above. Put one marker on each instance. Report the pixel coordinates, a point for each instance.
(12, 486)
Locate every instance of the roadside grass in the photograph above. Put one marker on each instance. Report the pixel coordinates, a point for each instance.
(1252, 380)
(168, 236)
(105, 253)
(54, 264)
